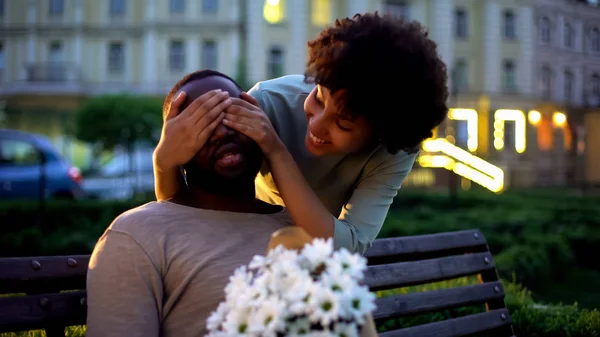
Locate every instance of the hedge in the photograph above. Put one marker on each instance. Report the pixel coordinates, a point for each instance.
(537, 237)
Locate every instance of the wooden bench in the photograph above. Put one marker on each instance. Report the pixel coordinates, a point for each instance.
(393, 263)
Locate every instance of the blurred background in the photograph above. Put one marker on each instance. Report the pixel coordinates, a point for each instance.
(82, 84)
(525, 79)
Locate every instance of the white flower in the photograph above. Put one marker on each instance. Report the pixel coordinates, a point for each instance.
(237, 322)
(351, 264)
(346, 330)
(323, 305)
(338, 283)
(300, 327)
(217, 317)
(358, 302)
(268, 318)
(318, 252)
(258, 261)
(297, 295)
(238, 282)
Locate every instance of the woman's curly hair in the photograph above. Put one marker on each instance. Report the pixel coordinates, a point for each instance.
(386, 70)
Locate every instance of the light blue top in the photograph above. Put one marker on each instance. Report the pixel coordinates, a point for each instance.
(357, 188)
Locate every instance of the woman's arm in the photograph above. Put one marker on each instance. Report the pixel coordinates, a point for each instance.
(166, 179)
(305, 208)
(363, 215)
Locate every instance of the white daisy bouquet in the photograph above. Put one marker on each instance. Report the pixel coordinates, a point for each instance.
(315, 292)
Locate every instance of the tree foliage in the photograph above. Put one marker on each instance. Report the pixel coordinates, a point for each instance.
(113, 120)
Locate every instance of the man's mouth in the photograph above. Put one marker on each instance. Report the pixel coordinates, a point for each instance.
(229, 155)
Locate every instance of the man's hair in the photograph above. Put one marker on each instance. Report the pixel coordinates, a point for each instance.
(197, 75)
(386, 70)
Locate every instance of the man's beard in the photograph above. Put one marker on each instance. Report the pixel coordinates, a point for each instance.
(211, 181)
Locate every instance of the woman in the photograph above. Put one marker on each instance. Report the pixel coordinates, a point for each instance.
(338, 141)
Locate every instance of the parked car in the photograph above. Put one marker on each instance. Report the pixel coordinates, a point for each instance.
(31, 167)
(118, 179)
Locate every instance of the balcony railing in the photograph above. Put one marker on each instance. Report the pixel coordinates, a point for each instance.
(52, 72)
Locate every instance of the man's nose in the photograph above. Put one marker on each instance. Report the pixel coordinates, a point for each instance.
(222, 132)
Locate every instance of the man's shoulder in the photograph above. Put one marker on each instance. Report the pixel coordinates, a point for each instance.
(281, 217)
(141, 217)
(289, 85)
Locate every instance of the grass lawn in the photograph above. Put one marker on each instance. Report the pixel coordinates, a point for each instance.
(73, 331)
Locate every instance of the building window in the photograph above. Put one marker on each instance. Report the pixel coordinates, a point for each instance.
(117, 7)
(397, 9)
(461, 75)
(209, 54)
(461, 23)
(274, 11)
(116, 57)
(595, 85)
(2, 9)
(177, 6)
(545, 32)
(275, 63)
(321, 12)
(210, 6)
(56, 7)
(509, 25)
(56, 70)
(176, 55)
(568, 35)
(569, 82)
(509, 80)
(546, 82)
(595, 39)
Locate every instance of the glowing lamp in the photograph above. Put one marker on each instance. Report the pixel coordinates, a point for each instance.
(559, 119)
(534, 117)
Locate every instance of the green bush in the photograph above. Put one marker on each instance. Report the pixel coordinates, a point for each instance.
(529, 319)
(64, 228)
(535, 235)
(543, 258)
(534, 320)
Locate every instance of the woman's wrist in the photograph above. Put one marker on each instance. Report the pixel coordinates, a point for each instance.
(278, 152)
(160, 164)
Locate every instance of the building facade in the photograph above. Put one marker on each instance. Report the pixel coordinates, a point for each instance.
(524, 74)
(567, 74)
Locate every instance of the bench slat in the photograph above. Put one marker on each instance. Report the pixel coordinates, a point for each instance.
(433, 245)
(39, 311)
(457, 327)
(396, 275)
(436, 300)
(46, 273)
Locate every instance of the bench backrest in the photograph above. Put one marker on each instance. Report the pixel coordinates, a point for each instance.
(42, 279)
(417, 260)
(393, 263)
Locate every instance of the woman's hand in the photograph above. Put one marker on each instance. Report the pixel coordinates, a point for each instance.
(184, 134)
(246, 116)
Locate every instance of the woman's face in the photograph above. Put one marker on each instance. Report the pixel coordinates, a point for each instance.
(329, 129)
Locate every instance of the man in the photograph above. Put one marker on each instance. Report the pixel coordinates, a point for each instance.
(160, 269)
